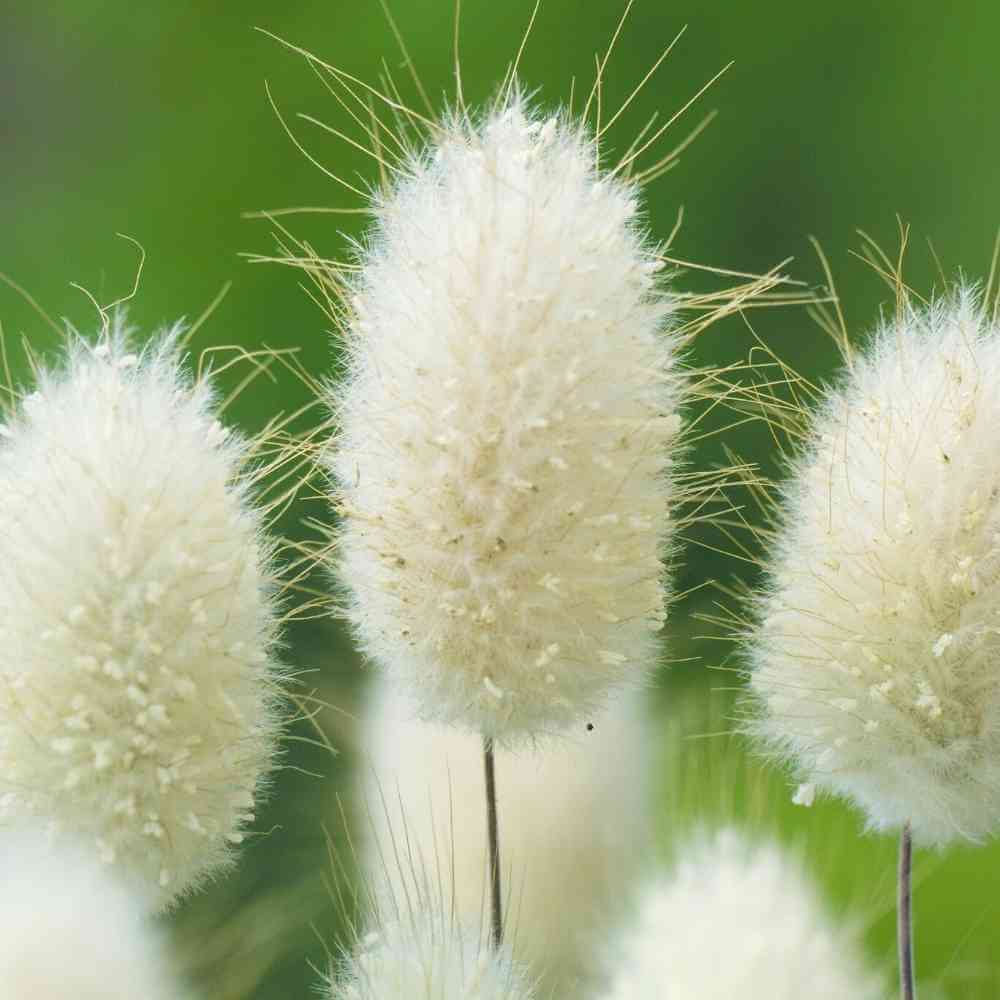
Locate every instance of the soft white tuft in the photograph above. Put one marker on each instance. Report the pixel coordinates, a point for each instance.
(737, 920)
(70, 931)
(424, 954)
(136, 696)
(508, 423)
(574, 825)
(876, 658)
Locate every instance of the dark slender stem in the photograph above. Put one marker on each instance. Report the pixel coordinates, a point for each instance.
(904, 916)
(493, 832)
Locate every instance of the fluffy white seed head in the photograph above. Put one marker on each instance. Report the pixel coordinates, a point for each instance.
(422, 953)
(737, 920)
(136, 622)
(508, 421)
(875, 661)
(70, 931)
(574, 825)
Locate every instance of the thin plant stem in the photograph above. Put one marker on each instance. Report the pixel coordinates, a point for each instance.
(904, 915)
(493, 833)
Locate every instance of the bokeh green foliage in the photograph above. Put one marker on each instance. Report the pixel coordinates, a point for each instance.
(151, 120)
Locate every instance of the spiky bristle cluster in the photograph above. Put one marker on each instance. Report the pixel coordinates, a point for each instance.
(508, 426)
(568, 857)
(875, 661)
(737, 920)
(137, 703)
(70, 931)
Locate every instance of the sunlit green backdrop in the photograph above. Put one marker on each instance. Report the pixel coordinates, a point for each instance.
(150, 119)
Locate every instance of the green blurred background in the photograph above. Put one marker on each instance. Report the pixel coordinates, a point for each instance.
(151, 120)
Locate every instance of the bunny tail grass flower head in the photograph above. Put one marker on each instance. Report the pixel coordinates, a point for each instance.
(69, 930)
(875, 659)
(423, 953)
(569, 858)
(508, 423)
(137, 695)
(737, 919)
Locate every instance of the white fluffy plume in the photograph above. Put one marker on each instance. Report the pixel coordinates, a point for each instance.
(574, 825)
(136, 688)
(737, 920)
(875, 662)
(508, 422)
(423, 953)
(70, 931)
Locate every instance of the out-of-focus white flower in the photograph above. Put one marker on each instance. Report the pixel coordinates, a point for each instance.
(875, 660)
(737, 920)
(574, 822)
(70, 931)
(508, 423)
(137, 704)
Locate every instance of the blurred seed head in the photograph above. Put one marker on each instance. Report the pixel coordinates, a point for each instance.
(574, 816)
(423, 953)
(736, 919)
(69, 930)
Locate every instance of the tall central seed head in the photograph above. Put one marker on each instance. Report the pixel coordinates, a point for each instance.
(508, 425)
(876, 658)
(137, 705)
